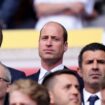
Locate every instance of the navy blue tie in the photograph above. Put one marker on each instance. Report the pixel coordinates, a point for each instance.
(92, 99)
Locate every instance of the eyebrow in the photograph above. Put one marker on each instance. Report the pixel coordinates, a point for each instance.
(3, 79)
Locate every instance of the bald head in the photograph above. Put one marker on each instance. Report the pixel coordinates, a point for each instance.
(52, 25)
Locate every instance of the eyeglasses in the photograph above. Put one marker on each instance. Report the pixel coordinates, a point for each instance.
(3, 79)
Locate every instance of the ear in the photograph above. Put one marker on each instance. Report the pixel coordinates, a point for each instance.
(8, 87)
(65, 46)
(51, 98)
(79, 71)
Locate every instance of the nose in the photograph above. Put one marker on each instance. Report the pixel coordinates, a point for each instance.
(49, 42)
(95, 65)
(74, 90)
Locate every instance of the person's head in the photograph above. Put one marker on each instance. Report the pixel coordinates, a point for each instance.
(63, 87)
(5, 80)
(52, 42)
(1, 35)
(28, 92)
(103, 91)
(91, 62)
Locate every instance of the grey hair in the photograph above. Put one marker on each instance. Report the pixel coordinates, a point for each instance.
(7, 73)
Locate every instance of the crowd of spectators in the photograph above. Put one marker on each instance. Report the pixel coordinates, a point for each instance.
(15, 14)
(76, 14)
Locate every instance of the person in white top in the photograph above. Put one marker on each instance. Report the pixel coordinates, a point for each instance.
(52, 46)
(69, 13)
(92, 69)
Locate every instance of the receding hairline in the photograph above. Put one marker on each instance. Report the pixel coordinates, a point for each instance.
(52, 23)
(64, 31)
(51, 83)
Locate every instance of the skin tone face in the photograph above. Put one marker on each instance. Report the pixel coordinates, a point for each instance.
(19, 98)
(93, 69)
(3, 83)
(65, 91)
(51, 43)
(103, 96)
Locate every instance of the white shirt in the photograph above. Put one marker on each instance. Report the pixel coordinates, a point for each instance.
(86, 96)
(44, 71)
(68, 21)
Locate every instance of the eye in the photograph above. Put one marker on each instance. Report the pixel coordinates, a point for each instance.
(67, 86)
(77, 87)
(89, 62)
(101, 61)
(44, 37)
(55, 38)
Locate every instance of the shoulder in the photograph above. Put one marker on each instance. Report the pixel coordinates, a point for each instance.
(34, 76)
(16, 74)
(12, 70)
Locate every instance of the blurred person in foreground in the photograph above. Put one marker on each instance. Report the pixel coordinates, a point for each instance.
(64, 87)
(5, 81)
(28, 92)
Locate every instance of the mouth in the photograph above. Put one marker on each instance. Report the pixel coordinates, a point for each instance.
(95, 75)
(48, 51)
(75, 100)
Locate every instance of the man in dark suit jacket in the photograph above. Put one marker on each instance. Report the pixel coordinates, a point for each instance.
(16, 74)
(91, 62)
(52, 45)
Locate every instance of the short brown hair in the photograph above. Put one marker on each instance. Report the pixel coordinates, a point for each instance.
(35, 91)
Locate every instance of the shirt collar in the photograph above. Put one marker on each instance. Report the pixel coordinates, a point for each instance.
(88, 94)
(43, 70)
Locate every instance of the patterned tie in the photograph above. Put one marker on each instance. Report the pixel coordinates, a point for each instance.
(92, 99)
(40, 80)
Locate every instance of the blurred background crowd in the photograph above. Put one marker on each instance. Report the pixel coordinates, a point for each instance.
(73, 14)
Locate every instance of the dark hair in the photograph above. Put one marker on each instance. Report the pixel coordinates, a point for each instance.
(92, 46)
(1, 35)
(65, 34)
(48, 78)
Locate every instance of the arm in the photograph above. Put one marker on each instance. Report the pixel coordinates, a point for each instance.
(45, 9)
(90, 12)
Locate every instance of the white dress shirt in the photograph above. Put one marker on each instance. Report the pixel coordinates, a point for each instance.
(86, 96)
(44, 71)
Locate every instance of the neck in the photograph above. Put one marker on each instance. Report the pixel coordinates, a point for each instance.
(92, 89)
(50, 65)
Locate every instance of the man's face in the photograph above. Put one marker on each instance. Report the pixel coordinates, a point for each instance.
(19, 98)
(93, 67)
(66, 91)
(103, 96)
(3, 84)
(51, 42)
